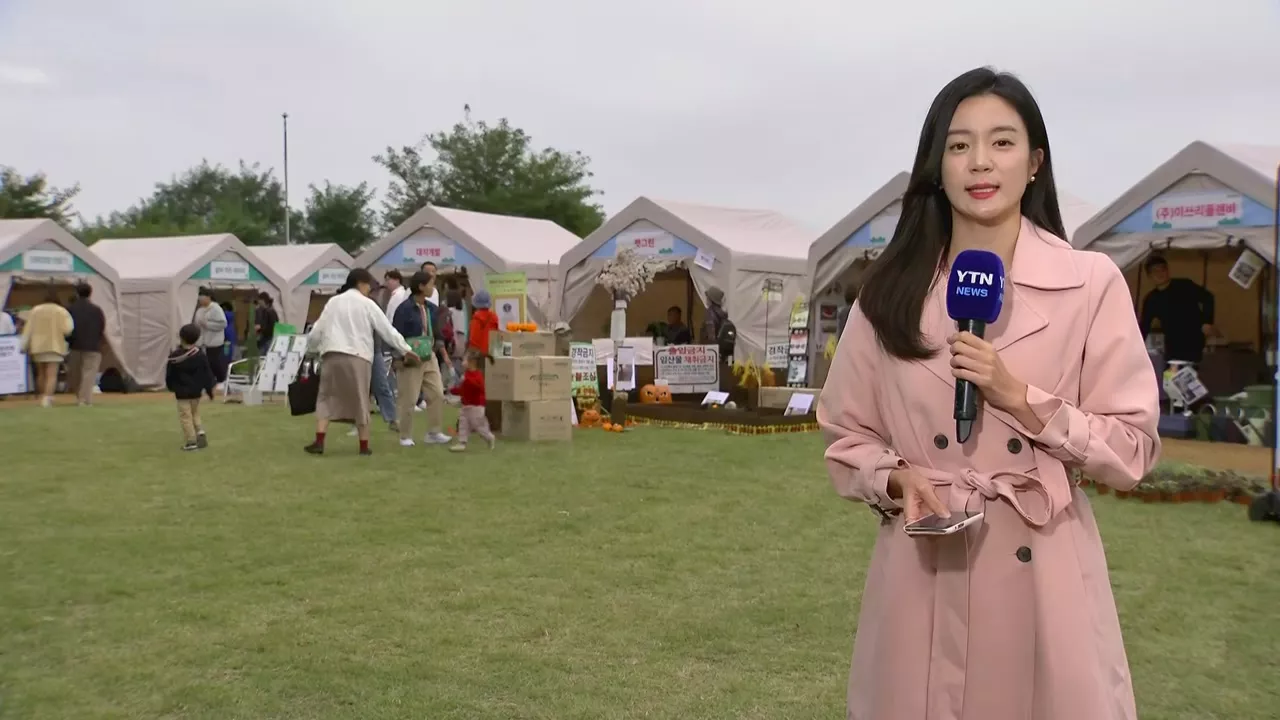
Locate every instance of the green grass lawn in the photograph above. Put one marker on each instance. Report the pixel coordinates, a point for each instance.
(655, 574)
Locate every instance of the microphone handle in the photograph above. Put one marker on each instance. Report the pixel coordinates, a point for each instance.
(966, 400)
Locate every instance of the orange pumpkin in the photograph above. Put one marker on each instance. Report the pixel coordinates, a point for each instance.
(589, 417)
(618, 428)
(607, 425)
(513, 327)
(663, 395)
(649, 394)
(530, 327)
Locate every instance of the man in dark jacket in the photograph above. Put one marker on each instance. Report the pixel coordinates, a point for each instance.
(85, 344)
(1183, 308)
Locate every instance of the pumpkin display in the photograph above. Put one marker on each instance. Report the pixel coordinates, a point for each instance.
(649, 394)
(590, 417)
(529, 327)
(663, 395)
(513, 327)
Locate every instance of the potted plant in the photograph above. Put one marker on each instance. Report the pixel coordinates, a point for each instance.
(1147, 490)
(1167, 488)
(1212, 487)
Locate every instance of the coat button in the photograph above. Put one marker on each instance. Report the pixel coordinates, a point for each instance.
(1024, 554)
(1015, 446)
(940, 441)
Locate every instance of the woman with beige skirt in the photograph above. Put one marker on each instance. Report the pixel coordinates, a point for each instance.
(343, 337)
(44, 340)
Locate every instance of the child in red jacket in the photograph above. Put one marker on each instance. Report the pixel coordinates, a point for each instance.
(471, 416)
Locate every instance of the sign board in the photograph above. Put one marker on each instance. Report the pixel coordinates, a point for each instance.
(688, 368)
(777, 355)
(13, 366)
(1247, 268)
(230, 270)
(584, 380)
(440, 252)
(716, 397)
(50, 261)
(799, 404)
(882, 229)
(1196, 211)
(332, 276)
(704, 260)
(646, 242)
(1183, 385)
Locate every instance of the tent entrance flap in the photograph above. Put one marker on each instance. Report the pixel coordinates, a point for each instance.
(670, 288)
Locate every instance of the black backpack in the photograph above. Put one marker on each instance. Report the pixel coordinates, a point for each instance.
(727, 337)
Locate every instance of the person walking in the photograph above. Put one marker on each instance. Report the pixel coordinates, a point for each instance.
(85, 344)
(417, 319)
(343, 338)
(44, 340)
(188, 376)
(212, 321)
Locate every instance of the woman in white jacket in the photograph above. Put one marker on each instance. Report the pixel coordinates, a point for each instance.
(343, 337)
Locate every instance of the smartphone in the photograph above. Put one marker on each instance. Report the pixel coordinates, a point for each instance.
(932, 525)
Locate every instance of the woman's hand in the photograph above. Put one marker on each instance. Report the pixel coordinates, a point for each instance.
(976, 360)
(916, 494)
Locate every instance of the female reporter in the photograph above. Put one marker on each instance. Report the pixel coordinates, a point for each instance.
(1014, 617)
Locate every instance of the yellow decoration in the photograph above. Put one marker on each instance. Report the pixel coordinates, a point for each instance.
(830, 350)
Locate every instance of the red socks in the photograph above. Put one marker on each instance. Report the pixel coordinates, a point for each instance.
(320, 439)
(364, 445)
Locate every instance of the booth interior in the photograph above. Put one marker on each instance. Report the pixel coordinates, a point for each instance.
(1223, 240)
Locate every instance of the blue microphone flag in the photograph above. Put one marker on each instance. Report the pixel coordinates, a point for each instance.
(975, 287)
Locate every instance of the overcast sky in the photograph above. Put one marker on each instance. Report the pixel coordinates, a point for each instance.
(802, 106)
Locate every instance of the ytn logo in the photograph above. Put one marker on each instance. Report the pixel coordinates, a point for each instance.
(975, 277)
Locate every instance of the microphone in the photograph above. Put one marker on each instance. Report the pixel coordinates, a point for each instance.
(975, 292)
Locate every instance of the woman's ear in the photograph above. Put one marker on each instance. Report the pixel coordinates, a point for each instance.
(1037, 160)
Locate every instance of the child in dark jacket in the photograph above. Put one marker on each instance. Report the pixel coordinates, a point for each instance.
(471, 416)
(188, 376)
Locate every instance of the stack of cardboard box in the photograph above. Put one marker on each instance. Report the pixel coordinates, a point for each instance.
(533, 385)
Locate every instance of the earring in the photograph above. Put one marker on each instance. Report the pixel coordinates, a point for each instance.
(1033, 178)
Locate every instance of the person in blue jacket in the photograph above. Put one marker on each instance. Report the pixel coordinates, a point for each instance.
(232, 341)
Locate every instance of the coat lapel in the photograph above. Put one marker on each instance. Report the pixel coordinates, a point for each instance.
(1041, 262)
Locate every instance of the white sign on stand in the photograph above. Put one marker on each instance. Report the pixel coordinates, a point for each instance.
(688, 368)
(777, 355)
(715, 397)
(799, 404)
(13, 366)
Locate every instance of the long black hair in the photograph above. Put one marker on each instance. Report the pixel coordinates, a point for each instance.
(897, 283)
(355, 277)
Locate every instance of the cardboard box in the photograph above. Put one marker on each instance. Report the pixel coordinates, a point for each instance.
(521, 344)
(538, 421)
(513, 379)
(778, 397)
(555, 378)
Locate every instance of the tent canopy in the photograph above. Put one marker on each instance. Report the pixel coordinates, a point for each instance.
(743, 248)
(483, 243)
(159, 280)
(865, 231)
(42, 251)
(1204, 197)
(307, 269)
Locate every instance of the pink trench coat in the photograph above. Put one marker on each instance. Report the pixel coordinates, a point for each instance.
(1013, 619)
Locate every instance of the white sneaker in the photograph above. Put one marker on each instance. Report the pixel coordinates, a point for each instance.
(457, 448)
(46, 401)
(420, 407)
(437, 439)
(406, 442)
(353, 432)
(493, 440)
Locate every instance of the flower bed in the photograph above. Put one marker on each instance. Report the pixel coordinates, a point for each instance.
(738, 421)
(1182, 483)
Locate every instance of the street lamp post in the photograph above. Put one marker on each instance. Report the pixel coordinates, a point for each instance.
(285, 118)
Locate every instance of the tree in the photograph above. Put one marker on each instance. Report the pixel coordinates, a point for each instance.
(492, 169)
(206, 199)
(342, 215)
(32, 197)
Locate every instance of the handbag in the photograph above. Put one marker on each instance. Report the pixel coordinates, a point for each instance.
(304, 391)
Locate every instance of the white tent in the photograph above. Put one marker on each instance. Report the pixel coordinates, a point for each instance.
(840, 256)
(159, 281)
(735, 250)
(312, 274)
(483, 244)
(35, 254)
(1202, 210)
(1203, 198)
